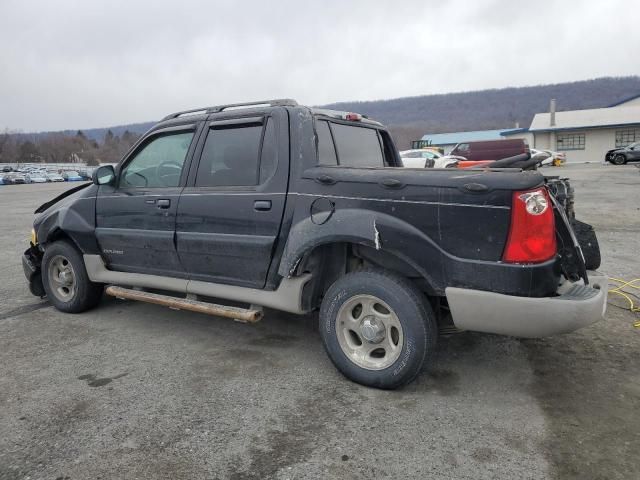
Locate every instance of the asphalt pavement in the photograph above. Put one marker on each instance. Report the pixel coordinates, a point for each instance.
(131, 390)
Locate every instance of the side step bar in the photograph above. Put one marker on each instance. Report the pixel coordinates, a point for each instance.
(287, 297)
(244, 315)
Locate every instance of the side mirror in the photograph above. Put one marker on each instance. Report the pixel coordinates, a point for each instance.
(104, 175)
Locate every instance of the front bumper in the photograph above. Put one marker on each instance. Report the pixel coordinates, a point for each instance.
(31, 268)
(575, 306)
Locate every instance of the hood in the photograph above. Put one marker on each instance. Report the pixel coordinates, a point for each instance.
(63, 195)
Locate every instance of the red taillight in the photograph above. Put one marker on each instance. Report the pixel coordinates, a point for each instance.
(532, 236)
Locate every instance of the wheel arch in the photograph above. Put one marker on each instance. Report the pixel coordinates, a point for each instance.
(374, 238)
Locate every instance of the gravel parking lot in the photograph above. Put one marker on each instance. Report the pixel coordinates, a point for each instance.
(132, 390)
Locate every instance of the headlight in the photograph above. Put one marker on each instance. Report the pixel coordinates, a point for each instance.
(34, 239)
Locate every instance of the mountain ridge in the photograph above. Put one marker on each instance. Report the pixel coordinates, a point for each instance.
(458, 111)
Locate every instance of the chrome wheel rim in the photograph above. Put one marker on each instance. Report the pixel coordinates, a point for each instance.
(62, 278)
(369, 332)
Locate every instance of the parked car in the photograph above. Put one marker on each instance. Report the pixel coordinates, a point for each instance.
(17, 178)
(71, 176)
(7, 169)
(490, 149)
(554, 158)
(620, 156)
(278, 205)
(54, 177)
(37, 177)
(424, 158)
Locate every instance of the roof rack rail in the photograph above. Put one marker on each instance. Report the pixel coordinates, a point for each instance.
(281, 102)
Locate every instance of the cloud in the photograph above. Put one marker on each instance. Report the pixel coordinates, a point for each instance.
(79, 64)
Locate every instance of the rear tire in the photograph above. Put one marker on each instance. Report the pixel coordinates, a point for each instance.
(377, 328)
(65, 279)
(619, 160)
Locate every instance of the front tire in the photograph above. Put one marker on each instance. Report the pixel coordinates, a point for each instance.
(65, 279)
(619, 159)
(377, 328)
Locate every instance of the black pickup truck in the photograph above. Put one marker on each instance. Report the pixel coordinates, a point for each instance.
(277, 205)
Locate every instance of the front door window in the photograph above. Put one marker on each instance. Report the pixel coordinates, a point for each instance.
(159, 163)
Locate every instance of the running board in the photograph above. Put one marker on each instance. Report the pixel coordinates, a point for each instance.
(240, 314)
(287, 297)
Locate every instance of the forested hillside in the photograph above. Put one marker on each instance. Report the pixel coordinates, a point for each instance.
(408, 118)
(491, 109)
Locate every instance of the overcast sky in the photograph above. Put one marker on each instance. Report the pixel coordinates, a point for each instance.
(90, 63)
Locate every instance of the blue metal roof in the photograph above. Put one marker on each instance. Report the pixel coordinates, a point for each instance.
(513, 131)
(458, 137)
(625, 100)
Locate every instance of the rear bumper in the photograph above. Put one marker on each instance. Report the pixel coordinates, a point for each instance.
(574, 307)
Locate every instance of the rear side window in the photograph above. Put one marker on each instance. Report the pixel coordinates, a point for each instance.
(326, 149)
(357, 146)
(230, 156)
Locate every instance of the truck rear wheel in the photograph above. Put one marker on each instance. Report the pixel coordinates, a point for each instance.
(65, 279)
(377, 328)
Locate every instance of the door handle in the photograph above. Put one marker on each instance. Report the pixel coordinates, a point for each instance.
(262, 205)
(326, 179)
(391, 183)
(163, 203)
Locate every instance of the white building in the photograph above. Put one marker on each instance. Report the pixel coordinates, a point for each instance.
(584, 135)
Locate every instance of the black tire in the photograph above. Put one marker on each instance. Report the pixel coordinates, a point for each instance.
(84, 295)
(588, 241)
(410, 307)
(619, 160)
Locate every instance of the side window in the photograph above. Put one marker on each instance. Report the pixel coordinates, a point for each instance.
(230, 156)
(269, 154)
(357, 146)
(159, 163)
(326, 149)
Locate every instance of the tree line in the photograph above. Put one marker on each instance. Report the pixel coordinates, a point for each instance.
(59, 147)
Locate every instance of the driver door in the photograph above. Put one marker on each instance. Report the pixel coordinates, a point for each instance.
(136, 217)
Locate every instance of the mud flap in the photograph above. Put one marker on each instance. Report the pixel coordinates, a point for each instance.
(588, 241)
(32, 273)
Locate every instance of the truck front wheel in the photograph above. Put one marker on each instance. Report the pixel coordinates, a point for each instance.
(377, 328)
(65, 279)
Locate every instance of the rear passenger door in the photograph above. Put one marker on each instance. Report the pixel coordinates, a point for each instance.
(230, 213)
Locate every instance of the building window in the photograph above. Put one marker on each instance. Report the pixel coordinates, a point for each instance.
(570, 141)
(626, 137)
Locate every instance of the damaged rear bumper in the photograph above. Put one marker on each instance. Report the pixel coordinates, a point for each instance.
(575, 306)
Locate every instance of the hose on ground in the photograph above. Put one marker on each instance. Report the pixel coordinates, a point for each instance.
(630, 297)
